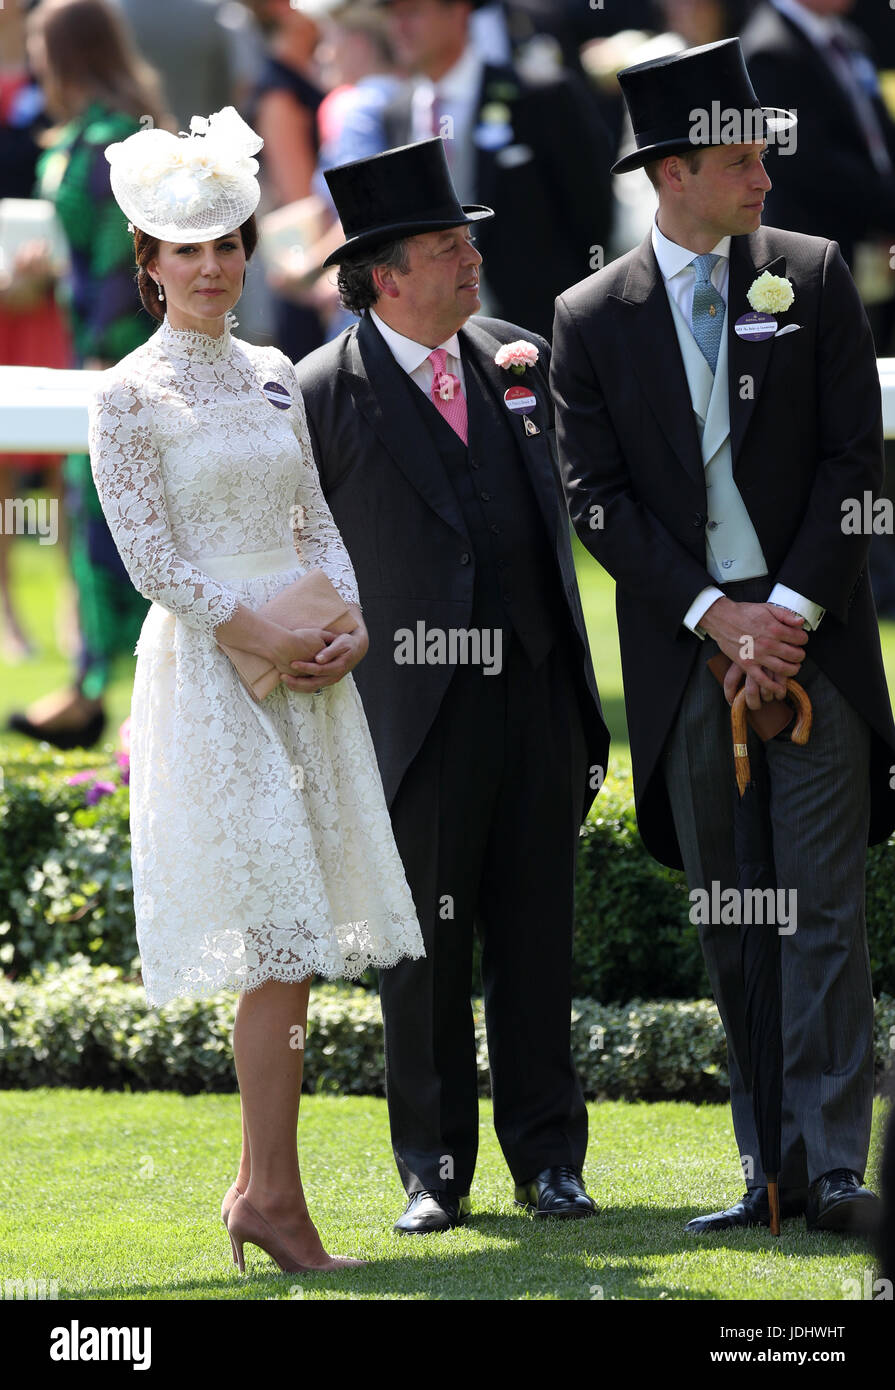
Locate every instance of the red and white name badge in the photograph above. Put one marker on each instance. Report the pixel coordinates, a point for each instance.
(520, 399)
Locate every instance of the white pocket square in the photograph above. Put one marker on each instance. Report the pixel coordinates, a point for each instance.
(790, 328)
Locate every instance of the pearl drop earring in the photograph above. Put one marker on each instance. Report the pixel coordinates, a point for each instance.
(161, 292)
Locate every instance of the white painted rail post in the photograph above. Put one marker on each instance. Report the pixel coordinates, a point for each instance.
(44, 411)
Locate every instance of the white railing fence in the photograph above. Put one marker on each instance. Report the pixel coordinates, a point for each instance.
(43, 411)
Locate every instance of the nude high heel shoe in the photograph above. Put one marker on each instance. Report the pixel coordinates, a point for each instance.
(230, 1197)
(247, 1224)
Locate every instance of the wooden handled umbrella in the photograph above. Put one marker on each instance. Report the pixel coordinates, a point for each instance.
(760, 942)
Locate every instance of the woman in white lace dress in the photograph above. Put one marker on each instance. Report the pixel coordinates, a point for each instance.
(261, 843)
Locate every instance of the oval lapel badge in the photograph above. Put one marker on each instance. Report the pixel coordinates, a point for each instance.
(755, 327)
(520, 399)
(277, 395)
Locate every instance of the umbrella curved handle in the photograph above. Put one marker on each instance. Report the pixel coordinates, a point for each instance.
(804, 713)
(738, 713)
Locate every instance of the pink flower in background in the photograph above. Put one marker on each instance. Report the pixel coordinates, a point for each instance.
(98, 790)
(123, 754)
(516, 356)
(78, 777)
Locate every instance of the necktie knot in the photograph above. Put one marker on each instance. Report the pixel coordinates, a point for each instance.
(447, 395)
(704, 265)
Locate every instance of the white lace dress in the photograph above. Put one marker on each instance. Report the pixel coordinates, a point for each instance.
(260, 838)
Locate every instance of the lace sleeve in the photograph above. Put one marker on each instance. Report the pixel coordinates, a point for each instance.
(316, 536)
(127, 471)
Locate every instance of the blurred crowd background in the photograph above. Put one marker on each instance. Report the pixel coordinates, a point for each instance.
(526, 92)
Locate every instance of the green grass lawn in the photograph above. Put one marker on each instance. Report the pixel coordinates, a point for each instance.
(117, 1196)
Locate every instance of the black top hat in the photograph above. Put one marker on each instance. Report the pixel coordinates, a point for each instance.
(399, 193)
(685, 101)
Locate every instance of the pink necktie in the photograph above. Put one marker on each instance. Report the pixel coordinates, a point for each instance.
(447, 395)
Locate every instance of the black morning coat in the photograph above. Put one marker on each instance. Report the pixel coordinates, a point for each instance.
(806, 434)
(401, 523)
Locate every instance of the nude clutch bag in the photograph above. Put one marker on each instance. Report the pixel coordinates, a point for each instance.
(311, 601)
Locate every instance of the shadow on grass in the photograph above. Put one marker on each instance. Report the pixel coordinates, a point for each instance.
(603, 1258)
(476, 1276)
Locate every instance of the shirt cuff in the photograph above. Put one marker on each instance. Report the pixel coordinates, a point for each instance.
(702, 602)
(788, 598)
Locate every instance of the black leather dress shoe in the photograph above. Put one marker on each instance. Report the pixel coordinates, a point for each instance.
(751, 1210)
(838, 1202)
(432, 1211)
(556, 1192)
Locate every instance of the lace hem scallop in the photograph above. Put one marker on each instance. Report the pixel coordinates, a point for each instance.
(191, 982)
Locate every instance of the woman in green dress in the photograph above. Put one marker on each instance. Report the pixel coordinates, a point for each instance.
(101, 91)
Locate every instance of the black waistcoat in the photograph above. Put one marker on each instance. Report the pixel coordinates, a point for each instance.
(516, 580)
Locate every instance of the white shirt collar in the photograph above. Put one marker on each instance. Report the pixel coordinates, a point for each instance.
(819, 28)
(673, 258)
(407, 353)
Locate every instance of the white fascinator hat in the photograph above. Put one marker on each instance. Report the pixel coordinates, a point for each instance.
(188, 187)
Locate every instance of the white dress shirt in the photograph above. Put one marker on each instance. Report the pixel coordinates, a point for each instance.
(414, 357)
(457, 95)
(679, 274)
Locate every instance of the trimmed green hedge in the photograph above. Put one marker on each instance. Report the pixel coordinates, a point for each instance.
(86, 1026)
(65, 886)
(633, 934)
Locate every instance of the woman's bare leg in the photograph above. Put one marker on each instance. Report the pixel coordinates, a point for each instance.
(268, 1049)
(245, 1157)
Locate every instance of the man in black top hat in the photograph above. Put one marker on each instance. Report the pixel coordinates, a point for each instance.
(436, 462)
(718, 413)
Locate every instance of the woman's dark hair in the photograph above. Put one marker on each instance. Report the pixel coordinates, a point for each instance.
(146, 248)
(90, 47)
(355, 279)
